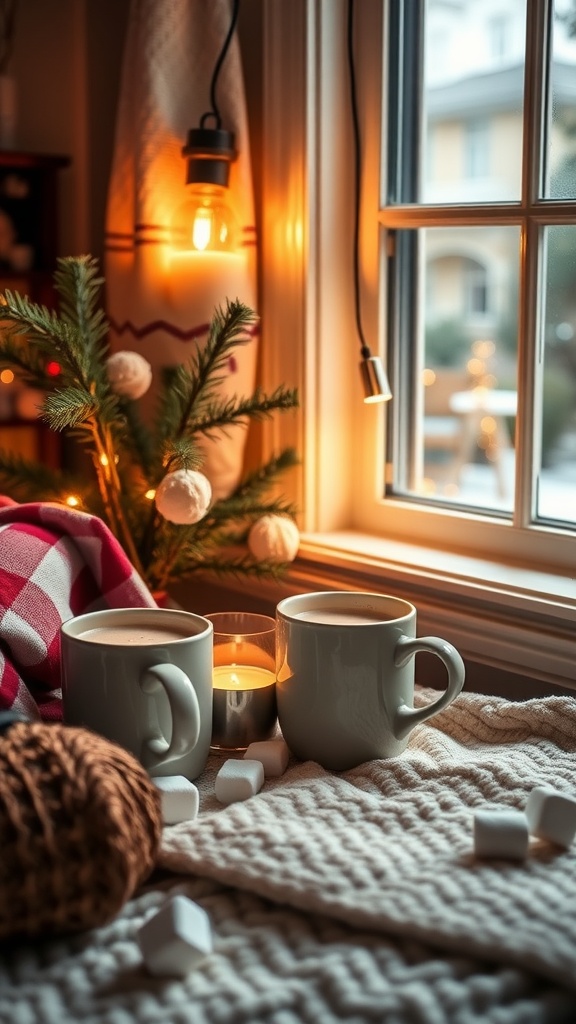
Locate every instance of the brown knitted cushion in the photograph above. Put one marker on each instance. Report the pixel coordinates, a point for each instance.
(80, 826)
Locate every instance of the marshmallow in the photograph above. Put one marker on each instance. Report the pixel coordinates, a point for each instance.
(273, 755)
(176, 938)
(502, 833)
(551, 815)
(238, 780)
(180, 798)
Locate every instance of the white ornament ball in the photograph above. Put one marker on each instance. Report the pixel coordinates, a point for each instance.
(184, 496)
(274, 538)
(129, 374)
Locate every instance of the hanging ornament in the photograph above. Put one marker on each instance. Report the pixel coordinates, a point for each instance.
(129, 374)
(184, 496)
(274, 538)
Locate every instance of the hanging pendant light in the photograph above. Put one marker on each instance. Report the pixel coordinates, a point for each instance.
(206, 222)
(372, 372)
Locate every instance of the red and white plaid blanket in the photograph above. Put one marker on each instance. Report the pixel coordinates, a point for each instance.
(55, 562)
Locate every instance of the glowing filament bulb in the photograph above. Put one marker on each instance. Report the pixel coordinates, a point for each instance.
(202, 229)
(72, 501)
(151, 494)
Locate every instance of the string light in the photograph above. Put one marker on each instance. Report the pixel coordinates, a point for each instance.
(151, 494)
(72, 501)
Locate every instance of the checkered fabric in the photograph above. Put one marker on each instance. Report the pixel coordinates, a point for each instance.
(55, 562)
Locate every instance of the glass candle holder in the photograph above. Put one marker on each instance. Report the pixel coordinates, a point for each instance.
(244, 679)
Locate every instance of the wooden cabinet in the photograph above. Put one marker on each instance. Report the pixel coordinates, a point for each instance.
(29, 214)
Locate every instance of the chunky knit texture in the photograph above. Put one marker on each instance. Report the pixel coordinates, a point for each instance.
(389, 847)
(80, 823)
(413, 929)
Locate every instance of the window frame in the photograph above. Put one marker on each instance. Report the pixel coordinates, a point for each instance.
(528, 606)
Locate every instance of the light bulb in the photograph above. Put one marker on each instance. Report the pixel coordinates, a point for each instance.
(205, 222)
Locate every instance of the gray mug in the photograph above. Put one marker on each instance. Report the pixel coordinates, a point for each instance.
(345, 676)
(142, 677)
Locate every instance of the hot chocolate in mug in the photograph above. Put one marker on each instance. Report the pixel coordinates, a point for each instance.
(142, 677)
(345, 676)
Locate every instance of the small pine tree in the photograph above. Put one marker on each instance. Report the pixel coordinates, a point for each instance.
(130, 458)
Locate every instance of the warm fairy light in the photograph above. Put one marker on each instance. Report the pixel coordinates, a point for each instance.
(483, 349)
(151, 494)
(476, 367)
(53, 368)
(104, 460)
(428, 377)
(6, 376)
(72, 501)
(488, 424)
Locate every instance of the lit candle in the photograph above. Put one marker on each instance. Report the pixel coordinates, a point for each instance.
(244, 706)
(242, 677)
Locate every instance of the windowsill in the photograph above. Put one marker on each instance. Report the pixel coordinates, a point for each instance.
(529, 591)
(509, 618)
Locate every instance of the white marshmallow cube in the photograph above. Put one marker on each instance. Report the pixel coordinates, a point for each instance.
(180, 798)
(502, 833)
(273, 754)
(173, 940)
(551, 815)
(238, 780)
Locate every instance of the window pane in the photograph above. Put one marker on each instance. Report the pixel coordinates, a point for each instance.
(473, 95)
(465, 379)
(561, 136)
(557, 478)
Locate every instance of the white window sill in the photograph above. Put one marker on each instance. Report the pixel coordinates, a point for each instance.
(504, 616)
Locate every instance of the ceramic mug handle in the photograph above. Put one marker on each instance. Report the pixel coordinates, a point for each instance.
(406, 718)
(184, 709)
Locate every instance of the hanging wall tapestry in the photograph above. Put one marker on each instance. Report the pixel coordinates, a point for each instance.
(181, 71)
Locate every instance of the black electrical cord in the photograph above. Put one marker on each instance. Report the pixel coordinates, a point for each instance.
(215, 112)
(365, 351)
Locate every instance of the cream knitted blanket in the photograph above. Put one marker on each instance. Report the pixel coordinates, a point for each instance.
(348, 898)
(388, 846)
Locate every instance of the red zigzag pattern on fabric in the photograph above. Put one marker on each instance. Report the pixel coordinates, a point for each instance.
(127, 327)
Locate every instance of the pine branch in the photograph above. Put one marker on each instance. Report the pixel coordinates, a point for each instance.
(68, 408)
(260, 479)
(128, 458)
(259, 406)
(26, 361)
(193, 384)
(182, 453)
(78, 285)
(56, 338)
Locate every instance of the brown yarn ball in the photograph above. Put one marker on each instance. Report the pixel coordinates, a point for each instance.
(80, 827)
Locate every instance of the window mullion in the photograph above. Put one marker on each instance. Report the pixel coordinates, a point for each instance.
(531, 263)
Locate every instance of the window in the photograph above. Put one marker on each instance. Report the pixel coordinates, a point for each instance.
(517, 414)
(461, 493)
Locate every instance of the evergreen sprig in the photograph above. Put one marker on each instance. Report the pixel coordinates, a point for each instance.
(129, 456)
